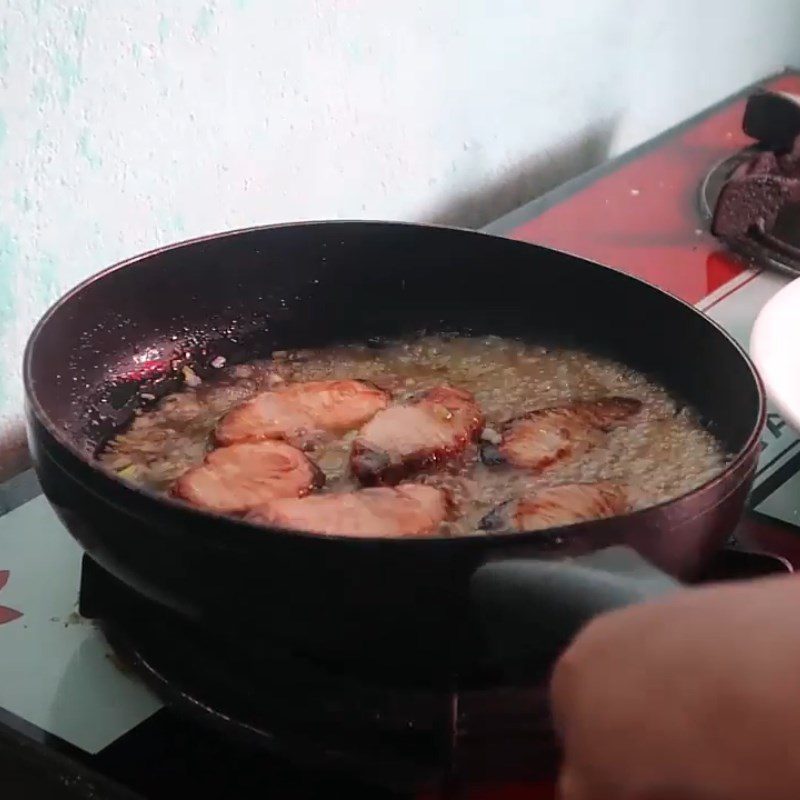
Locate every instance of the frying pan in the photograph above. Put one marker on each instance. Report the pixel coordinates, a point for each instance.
(412, 609)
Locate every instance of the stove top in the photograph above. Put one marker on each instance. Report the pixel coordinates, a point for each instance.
(315, 716)
(289, 705)
(71, 695)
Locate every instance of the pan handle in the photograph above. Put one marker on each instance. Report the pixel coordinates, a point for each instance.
(530, 609)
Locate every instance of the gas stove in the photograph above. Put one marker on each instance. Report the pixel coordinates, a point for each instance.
(779, 248)
(95, 687)
(400, 737)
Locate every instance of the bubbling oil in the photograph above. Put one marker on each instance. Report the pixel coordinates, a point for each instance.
(665, 451)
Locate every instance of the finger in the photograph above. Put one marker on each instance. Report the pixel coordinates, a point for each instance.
(571, 786)
(561, 691)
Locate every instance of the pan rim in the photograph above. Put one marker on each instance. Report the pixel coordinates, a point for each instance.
(248, 529)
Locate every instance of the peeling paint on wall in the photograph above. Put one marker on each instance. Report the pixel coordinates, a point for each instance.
(9, 256)
(86, 150)
(68, 72)
(204, 22)
(3, 49)
(163, 29)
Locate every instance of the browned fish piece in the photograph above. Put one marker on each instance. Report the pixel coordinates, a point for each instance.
(430, 431)
(543, 437)
(234, 479)
(562, 505)
(408, 510)
(300, 411)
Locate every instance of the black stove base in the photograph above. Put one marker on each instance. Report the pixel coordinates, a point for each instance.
(286, 704)
(400, 738)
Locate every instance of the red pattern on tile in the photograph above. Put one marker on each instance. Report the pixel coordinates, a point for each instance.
(7, 614)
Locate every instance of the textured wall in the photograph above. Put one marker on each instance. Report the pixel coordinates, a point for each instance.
(128, 123)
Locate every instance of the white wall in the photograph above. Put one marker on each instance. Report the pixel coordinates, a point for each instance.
(128, 123)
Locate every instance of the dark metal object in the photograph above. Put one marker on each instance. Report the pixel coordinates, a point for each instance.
(31, 771)
(317, 717)
(772, 119)
(778, 249)
(312, 715)
(532, 607)
(400, 607)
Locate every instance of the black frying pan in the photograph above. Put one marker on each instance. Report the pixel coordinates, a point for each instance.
(411, 607)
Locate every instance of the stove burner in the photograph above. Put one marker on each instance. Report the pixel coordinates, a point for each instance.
(778, 249)
(397, 737)
(401, 738)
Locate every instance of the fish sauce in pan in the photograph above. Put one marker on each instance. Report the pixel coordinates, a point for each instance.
(662, 451)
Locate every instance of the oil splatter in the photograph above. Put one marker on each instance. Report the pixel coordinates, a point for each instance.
(87, 151)
(3, 129)
(204, 22)
(117, 662)
(136, 52)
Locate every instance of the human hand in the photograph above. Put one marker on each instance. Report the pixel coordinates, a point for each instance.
(695, 697)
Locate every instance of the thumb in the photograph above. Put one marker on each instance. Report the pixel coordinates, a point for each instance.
(572, 787)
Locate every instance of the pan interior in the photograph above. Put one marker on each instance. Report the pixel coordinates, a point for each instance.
(129, 332)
